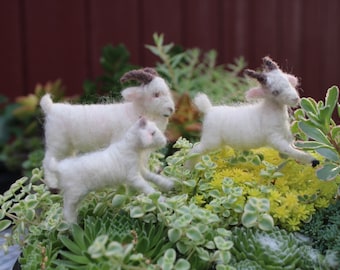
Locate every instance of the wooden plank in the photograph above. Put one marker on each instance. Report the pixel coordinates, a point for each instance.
(159, 17)
(330, 36)
(201, 24)
(114, 22)
(311, 48)
(56, 43)
(263, 30)
(227, 18)
(11, 53)
(235, 30)
(289, 36)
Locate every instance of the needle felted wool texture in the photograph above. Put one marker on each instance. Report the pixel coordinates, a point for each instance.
(120, 163)
(71, 129)
(253, 125)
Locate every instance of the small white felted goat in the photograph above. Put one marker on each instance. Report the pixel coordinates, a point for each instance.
(253, 125)
(71, 129)
(120, 163)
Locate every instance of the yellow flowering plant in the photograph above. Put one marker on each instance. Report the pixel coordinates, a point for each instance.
(226, 181)
(293, 189)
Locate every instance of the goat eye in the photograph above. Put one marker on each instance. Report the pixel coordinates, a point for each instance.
(276, 92)
(153, 133)
(156, 95)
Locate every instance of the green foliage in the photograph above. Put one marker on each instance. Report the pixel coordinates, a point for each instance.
(21, 129)
(114, 62)
(191, 71)
(276, 249)
(256, 213)
(221, 213)
(293, 190)
(198, 234)
(252, 188)
(112, 239)
(324, 229)
(28, 206)
(314, 122)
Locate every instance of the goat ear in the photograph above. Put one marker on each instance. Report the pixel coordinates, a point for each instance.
(255, 93)
(132, 93)
(269, 64)
(262, 78)
(293, 80)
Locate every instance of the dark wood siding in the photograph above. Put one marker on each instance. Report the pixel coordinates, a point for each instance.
(44, 40)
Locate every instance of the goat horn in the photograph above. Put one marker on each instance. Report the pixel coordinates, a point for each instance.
(138, 75)
(150, 70)
(256, 75)
(269, 63)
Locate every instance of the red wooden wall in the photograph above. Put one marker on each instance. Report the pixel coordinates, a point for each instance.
(43, 40)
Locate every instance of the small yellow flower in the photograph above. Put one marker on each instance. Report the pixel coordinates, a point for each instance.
(281, 213)
(216, 183)
(283, 193)
(301, 212)
(253, 192)
(275, 196)
(199, 199)
(293, 223)
(322, 203)
(291, 200)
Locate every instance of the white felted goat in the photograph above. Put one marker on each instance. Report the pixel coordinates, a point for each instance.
(71, 129)
(253, 125)
(120, 163)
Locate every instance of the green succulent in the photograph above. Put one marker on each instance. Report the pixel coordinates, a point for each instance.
(276, 249)
(91, 243)
(319, 132)
(324, 229)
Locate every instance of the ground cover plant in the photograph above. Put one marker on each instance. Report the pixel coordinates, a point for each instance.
(233, 210)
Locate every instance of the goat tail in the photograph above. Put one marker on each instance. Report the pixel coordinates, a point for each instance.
(202, 102)
(46, 103)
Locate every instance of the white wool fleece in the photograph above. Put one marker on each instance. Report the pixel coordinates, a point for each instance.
(71, 129)
(253, 125)
(120, 163)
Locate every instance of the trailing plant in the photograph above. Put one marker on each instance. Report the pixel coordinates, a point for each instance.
(293, 190)
(319, 132)
(47, 241)
(324, 229)
(225, 198)
(28, 206)
(198, 234)
(194, 222)
(277, 249)
(244, 187)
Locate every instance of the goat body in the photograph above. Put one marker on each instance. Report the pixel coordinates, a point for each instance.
(253, 125)
(71, 129)
(117, 164)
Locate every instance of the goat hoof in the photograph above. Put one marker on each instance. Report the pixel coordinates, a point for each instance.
(54, 190)
(315, 163)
